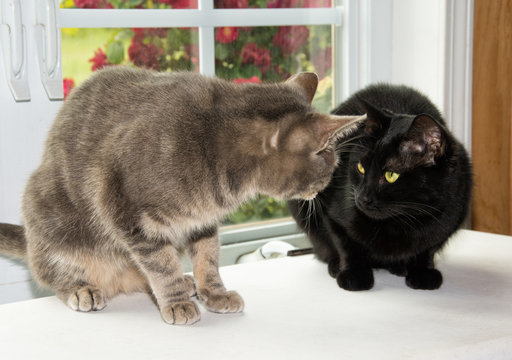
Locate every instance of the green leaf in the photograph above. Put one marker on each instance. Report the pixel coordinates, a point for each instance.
(125, 34)
(116, 3)
(221, 51)
(134, 2)
(248, 71)
(115, 52)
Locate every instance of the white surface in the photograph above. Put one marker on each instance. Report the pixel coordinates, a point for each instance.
(294, 310)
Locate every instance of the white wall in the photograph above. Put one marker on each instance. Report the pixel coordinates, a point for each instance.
(418, 46)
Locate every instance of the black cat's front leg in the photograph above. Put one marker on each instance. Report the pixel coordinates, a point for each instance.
(356, 277)
(421, 273)
(352, 266)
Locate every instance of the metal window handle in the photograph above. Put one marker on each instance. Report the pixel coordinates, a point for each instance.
(48, 48)
(14, 48)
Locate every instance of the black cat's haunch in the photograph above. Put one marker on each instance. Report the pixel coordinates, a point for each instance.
(401, 189)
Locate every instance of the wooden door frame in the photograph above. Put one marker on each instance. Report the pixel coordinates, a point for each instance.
(492, 116)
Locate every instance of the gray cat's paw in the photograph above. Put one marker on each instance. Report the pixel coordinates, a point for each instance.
(191, 285)
(85, 299)
(181, 313)
(226, 302)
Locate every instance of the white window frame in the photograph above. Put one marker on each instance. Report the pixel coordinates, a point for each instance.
(206, 18)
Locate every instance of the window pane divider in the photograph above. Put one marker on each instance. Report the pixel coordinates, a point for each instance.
(115, 18)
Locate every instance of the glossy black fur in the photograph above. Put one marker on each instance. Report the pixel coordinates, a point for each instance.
(360, 222)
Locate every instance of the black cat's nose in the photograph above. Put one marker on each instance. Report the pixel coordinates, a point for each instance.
(364, 200)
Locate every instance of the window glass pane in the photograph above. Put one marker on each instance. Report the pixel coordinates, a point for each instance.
(128, 4)
(259, 54)
(162, 49)
(243, 4)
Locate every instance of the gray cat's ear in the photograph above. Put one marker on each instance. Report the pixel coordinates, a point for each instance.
(307, 82)
(327, 126)
(424, 141)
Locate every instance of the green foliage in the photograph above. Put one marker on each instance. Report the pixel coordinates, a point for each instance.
(115, 52)
(261, 208)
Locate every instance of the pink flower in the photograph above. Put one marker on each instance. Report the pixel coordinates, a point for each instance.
(144, 55)
(260, 57)
(291, 38)
(226, 34)
(322, 61)
(231, 4)
(254, 79)
(99, 60)
(68, 84)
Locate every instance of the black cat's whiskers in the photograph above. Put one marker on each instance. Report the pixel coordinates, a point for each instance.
(403, 217)
(421, 209)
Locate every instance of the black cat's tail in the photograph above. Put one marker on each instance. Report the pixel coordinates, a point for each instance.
(12, 241)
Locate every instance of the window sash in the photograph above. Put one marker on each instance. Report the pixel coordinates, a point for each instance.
(206, 19)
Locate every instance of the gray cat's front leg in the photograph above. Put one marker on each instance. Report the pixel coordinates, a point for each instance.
(160, 262)
(204, 252)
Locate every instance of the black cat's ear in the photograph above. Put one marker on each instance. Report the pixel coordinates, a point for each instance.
(377, 121)
(424, 141)
(307, 82)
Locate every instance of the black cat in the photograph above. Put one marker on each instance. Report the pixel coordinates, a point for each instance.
(402, 188)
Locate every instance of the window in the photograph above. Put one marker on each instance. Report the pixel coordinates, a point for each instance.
(240, 40)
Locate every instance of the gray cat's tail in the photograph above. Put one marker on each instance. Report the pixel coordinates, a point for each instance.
(12, 241)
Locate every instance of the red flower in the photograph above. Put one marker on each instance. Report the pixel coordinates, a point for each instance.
(141, 33)
(144, 55)
(193, 51)
(99, 60)
(180, 4)
(231, 4)
(260, 57)
(291, 38)
(93, 4)
(226, 35)
(254, 79)
(68, 84)
(322, 61)
(157, 32)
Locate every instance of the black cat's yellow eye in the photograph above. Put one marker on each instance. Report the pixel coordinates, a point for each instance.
(391, 176)
(360, 168)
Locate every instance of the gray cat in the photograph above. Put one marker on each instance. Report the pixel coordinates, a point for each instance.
(140, 167)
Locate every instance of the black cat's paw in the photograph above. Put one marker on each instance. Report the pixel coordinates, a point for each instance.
(424, 279)
(333, 267)
(355, 279)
